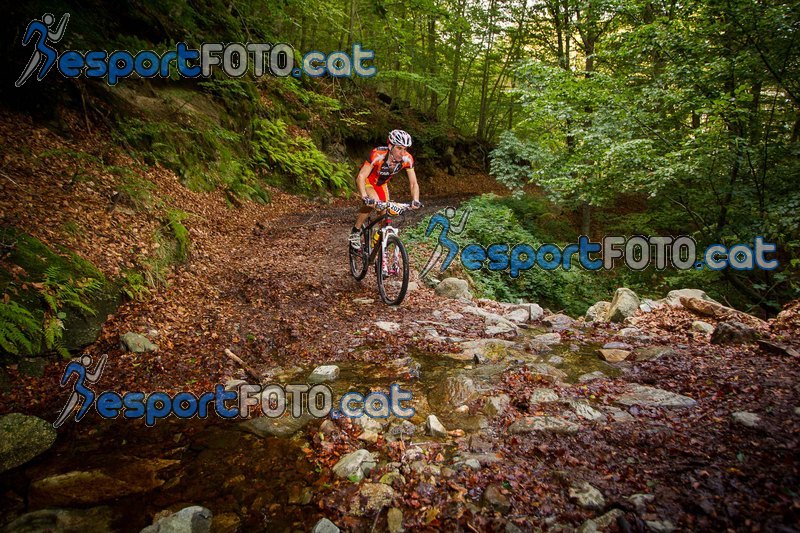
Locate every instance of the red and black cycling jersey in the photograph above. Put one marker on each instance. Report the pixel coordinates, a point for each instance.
(382, 172)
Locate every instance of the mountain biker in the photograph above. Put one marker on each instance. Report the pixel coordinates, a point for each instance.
(373, 178)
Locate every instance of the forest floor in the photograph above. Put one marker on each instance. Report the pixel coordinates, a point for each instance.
(271, 285)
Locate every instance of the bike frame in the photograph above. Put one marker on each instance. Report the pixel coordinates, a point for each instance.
(386, 230)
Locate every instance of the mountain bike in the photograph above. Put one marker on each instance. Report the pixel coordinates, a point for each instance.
(381, 245)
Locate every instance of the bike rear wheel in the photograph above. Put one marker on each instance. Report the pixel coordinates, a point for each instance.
(392, 271)
(358, 258)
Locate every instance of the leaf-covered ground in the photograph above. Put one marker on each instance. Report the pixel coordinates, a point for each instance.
(271, 284)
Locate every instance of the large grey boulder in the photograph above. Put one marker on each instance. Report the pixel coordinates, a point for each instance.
(624, 305)
(453, 288)
(673, 298)
(22, 438)
(194, 519)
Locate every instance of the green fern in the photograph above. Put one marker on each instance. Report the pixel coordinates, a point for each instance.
(18, 329)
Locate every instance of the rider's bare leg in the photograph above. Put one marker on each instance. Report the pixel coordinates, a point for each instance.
(365, 209)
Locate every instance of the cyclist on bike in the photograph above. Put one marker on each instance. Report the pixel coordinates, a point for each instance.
(373, 178)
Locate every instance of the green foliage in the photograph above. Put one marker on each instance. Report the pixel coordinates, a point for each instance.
(175, 220)
(296, 159)
(136, 192)
(18, 329)
(135, 287)
(492, 221)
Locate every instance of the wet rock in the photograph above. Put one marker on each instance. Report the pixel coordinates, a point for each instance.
(435, 428)
(733, 333)
(473, 464)
(702, 327)
(652, 397)
(324, 373)
(591, 376)
(299, 495)
(614, 356)
(542, 395)
(548, 424)
(497, 325)
(389, 327)
(652, 353)
(548, 338)
(617, 346)
(630, 332)
(85, 487)
(402, 431)
(395, 520)
(597, 312)
(518, 316)
(605, 521)
(496, 405)
(648, 305)
(372, 497)
(706, 307)
(659, 526)
(325, 526)
(640, 501)
(234, 384)
(389, 478)
(584, 410)
(587, 496)
(549, 372)
(22, 438)
(456, 390)
(193, 519)
(558, 322)
(133, 342)
(618, 415)
(485, 349)
(775, 347)
(481, 444)
(624, 305)
(494, 498)
(63, 520)
(746, 419)
(355, 465)
(282, 427)
(453, 288)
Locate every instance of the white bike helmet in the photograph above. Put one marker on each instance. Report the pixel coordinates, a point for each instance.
(399, 138)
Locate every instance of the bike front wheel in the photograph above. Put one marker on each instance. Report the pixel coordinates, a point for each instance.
(392, 271)
(358, 258)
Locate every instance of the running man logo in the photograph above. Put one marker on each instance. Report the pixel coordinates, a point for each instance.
(445, 243)
(42, 50)
(79, 389)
